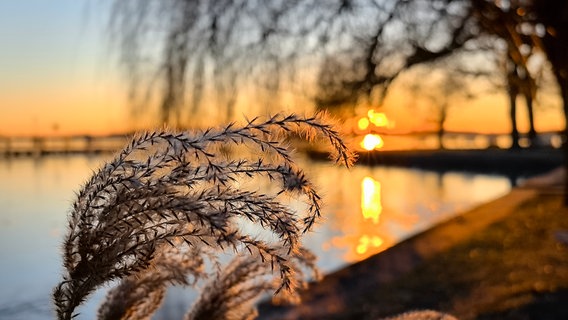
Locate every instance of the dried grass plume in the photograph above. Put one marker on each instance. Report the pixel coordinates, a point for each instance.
(158, 213)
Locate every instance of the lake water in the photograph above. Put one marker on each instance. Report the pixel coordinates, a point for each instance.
(367, 210)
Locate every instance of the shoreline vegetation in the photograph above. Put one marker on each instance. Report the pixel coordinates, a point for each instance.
(505, 259)
(509, 162)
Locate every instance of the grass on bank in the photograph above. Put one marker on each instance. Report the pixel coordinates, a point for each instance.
(514, 269)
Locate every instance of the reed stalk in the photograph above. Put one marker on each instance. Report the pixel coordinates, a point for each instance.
(163, 208)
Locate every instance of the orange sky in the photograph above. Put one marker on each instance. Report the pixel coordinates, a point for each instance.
(57, 77)
(486, 114)
(90, 106)
(62, 107)
(53, 74)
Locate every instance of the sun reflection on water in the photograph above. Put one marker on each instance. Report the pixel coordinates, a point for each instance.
(371, 206)
(367, 234)
(376, 227)
(366, 242)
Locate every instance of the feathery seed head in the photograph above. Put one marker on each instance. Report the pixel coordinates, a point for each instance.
(182, 190)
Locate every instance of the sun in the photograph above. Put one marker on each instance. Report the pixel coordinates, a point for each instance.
(372, 142)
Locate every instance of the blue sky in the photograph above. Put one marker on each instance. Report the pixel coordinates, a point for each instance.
(55, 69)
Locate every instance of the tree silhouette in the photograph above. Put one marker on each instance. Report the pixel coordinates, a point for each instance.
(501, 23)
(443, 91)
(177, 51)
(553, 17)
(184, 50)
(359, 47)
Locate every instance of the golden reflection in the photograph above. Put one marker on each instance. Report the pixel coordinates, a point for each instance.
(374, 228)
(371, 209)
(367, 242)
(372, 142)
(371, 206)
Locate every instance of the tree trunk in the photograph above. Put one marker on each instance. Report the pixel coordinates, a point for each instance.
(532, 130)
(553, 14)
(441, 138)
(513, 115)
(564, 90)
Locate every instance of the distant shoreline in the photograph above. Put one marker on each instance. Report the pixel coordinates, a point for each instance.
(515, 163)
(512, 163)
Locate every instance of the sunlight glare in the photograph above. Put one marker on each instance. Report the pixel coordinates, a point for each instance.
(372, 142)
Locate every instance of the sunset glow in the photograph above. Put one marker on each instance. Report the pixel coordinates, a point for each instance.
(379, 119)
(58, 78)
(363, 123)
(372, 142)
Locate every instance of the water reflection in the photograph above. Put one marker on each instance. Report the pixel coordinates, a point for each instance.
(371, 233)
(367, 242)
(35, 195)
(367, 209)
(371, 209)
(371, 206)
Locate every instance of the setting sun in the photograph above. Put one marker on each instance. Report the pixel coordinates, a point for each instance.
(379, 119)
(372, 142)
